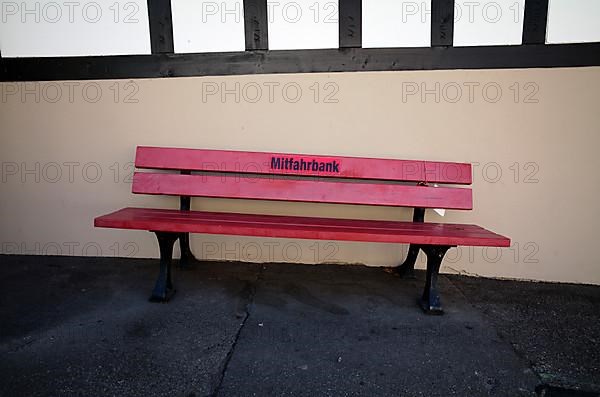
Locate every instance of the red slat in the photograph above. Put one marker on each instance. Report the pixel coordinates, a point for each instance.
(261, 163)
(228, 186)
(300, 227)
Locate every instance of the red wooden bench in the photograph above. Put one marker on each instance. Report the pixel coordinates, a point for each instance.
(306, 178)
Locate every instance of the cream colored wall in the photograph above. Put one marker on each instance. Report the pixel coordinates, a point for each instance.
(553, 221)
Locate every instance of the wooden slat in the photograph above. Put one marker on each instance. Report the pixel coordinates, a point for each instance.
(300, 227)
(261, 163)
(230, 186)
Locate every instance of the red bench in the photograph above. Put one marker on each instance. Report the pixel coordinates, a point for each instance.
(307, 178)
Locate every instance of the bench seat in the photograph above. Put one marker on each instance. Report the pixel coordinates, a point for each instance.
(177, 221)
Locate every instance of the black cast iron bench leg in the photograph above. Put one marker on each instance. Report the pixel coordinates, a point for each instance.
(163, 289)
(187, 257)
(430, 301)
(407, 268)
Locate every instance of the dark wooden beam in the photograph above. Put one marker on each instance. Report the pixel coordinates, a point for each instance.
(442, 23)
(350, 23)
(256, 24)
(161, 26)
(535, 21)
(299, 61)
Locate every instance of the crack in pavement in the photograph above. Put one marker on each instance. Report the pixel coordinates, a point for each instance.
(242, 311)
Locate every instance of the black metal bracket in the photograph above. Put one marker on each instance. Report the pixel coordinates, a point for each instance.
(430, 301)
(407, 268)
(187, 256)
(163, 289)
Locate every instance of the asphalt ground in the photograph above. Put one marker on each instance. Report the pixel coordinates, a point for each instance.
(84, 326)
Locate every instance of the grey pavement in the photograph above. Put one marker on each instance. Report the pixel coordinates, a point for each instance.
(84, 326)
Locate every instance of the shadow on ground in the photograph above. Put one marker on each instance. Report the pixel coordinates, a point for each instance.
(83, 326)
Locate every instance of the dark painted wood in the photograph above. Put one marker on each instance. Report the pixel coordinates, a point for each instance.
(535, 21)
(161, 26)
(442, 23)
(350, 25)
(299, 61)
(256, 24)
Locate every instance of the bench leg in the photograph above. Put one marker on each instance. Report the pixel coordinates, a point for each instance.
(163, 290)
(430, 301)
(407, 268)
(187, 257)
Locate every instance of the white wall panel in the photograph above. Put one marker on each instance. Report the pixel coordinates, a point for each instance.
(31, 28)
(573, 21)
(303, 24)
(208, 26)
(488, 22)
(396, 23)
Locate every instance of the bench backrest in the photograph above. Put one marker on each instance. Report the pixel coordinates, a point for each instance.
(328, 179)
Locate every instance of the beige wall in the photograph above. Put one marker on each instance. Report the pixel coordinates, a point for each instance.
(553, 143)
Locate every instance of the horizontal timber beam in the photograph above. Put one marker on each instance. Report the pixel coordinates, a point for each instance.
(299, 61)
